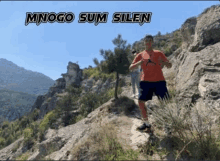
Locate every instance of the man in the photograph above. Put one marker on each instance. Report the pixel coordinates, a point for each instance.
(135, 78)
(152, 79)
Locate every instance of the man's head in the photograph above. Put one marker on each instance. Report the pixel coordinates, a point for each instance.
(134, 52)
(148, 41)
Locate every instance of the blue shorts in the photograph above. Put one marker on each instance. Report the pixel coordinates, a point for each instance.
(147, 89)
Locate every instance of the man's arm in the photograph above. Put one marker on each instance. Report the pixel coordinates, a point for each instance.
(165, 61)
(136, 62)
(167, 64)
(135, 66)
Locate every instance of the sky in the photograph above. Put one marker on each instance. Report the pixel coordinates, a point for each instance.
(49, 47)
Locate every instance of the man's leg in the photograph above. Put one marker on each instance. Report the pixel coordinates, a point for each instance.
(145, 94)
(161, 91)
(137, 81)
(143, 110)
(133, 83)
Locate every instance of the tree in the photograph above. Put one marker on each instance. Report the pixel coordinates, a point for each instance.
(116, 61)
(159, 33)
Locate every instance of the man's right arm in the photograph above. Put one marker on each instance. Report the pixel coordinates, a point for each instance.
(135, 66)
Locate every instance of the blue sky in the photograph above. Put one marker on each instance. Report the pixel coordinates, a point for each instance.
(48, 48)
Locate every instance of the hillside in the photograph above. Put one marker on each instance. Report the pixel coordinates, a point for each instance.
(14, 104)
(16, 78)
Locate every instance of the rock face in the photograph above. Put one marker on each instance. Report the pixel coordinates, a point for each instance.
(73, 75)
(207, 29)
(197, 66)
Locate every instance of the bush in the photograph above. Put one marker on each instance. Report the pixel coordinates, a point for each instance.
(193, 125)
(9, 140)
(35, 128)
(65, 106)
(88, 103)
(96, 74)
(47, 121)
(34, 115)
(28, 137)
(5, 125)
(2, 141)
(123, 105)
(168, 51)
(24, 122)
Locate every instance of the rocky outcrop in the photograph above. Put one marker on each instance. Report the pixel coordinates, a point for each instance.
(188, 30)
(198, 70)
(207, 29)
(73, 75)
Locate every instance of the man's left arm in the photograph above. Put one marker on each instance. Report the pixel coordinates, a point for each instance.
(165, 61)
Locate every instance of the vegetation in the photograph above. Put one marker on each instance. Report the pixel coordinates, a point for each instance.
(97, 73)
(115, 61)
(192, 129)
(103, 144)
(11, 131)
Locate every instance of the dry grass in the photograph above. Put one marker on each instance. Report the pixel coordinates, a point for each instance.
(103, 144)
(194, 127)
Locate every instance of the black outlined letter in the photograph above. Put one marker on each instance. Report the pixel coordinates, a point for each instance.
(31, 18)
(82, 17)
(42, 17)
(61, 17)
(116, 17)
(69, 17)
(52, 17)
(145, 16)
(101, 18)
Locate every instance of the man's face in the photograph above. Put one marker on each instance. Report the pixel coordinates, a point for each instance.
(148, 43)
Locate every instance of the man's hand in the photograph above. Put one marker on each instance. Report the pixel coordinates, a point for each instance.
(167, 64)
(135, 66)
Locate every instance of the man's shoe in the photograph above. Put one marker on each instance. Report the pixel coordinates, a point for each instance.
(133, 96)
(144, 127)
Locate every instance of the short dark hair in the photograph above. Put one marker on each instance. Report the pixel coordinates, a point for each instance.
(148, 36)
(134, 51)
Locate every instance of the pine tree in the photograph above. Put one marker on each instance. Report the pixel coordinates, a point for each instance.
(117, 60)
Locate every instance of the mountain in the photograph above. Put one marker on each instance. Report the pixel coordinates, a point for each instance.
(16, 78)
(14, 104)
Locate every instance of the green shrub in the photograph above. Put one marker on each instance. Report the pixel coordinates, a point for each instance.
(48, 119)
(35, 128)
(123, 105)
(9, 140)
(24, 122)
(66, 104)
(28, 133)
(2, 141)
(96, 74)
(5, 124)
(168, 51)
(28, 137)
(88, 103)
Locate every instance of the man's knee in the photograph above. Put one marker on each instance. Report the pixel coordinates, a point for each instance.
(141, 101)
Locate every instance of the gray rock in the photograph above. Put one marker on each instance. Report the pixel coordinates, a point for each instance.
(207, 29)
